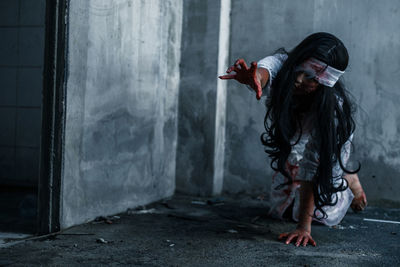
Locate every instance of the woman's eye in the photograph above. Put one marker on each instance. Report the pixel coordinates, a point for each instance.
(309, 76)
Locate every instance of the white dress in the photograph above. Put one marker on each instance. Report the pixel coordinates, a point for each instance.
(303, 162)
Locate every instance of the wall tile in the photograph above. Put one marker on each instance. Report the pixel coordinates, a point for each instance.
(7, 163)
(31, 46)
(29, 87)
(9, 12)
(27, 165)
(28, 127)
(33, 12)
(9, 46)
(7, 122)
(8, 87)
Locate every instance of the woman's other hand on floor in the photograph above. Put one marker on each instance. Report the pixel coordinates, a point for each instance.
(299, 236)
(244, 75)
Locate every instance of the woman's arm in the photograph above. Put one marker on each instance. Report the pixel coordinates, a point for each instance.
(306, 206)
(262, 76)
(303, 229)
(255, 77)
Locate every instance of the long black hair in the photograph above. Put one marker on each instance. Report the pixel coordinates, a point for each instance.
(327, 104)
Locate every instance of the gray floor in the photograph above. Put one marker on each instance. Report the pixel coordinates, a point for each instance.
(234, 232)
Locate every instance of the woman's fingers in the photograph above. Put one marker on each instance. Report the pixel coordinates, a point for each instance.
(283, 235)
(245, 75)
(299, 239)
(290, 237)
(364, 200)
(258, 89)
(305, 241)
(227, 77)
(230, 69)
(233, 68)
(240, 62)
(253, 67)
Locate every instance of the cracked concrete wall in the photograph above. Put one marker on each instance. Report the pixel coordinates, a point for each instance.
(369, 29)
(122, 93)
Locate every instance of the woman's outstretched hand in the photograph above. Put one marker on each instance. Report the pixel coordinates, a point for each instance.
(244, 75)
(300, 236)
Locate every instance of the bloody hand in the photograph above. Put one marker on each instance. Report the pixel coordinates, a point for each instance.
(300, 235)
(244, 75)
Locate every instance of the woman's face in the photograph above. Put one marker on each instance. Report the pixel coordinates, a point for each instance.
(304, 85)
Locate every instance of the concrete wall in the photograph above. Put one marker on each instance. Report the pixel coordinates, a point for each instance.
(122, 93)
(369, 29)
(258, 29)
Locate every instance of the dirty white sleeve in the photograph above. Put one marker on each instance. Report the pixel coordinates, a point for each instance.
(310, 161)
(273, 64)
(309, 164)
(346, 150)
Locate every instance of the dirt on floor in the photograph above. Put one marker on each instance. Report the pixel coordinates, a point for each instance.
(225, 231)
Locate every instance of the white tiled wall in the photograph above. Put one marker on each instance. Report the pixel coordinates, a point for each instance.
(21, 67)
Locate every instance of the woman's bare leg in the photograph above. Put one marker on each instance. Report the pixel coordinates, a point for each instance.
(360, 199)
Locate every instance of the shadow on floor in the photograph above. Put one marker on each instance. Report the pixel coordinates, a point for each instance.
(18, 209)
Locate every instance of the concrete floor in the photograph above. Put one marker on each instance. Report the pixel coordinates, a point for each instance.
(234, 232)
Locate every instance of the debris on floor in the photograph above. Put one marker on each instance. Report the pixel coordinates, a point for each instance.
(382, 221)
(141, 211)
(198, 202)
(102, 241)
(338, 227)
(166, 204)
(170, 243)
(216, 201)
(255, 219)
(261, 197)
(105, 219)
(341, 227)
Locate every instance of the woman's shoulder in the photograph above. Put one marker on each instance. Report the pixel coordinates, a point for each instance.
(273, 64)
(281, 55)
(272, 61)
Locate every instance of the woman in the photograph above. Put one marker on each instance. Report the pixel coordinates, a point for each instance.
(309, 128)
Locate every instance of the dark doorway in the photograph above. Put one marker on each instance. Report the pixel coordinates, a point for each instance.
(32, 67)
(22, 31)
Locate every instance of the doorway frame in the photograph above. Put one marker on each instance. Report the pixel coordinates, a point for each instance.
(53, 116)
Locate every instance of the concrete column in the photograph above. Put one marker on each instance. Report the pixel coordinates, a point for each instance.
(122, 98)
(202, 97)
(222, 86)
